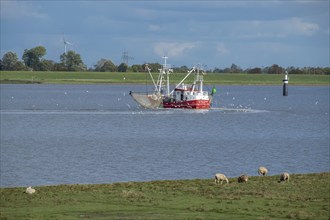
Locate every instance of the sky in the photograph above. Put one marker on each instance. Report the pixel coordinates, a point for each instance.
(212, 33)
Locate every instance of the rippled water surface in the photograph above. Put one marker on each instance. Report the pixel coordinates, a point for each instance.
(57, 134)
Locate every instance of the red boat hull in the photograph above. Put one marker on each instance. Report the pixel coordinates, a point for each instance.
(191, 104)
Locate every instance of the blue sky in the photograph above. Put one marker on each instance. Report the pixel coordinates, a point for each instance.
(214, 33)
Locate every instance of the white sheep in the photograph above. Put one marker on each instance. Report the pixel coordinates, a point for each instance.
(243, 179)
(262, 171)
(30, 190)
(219, 178)
(284, 177)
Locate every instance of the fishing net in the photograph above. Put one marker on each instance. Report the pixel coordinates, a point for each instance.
(147, 100)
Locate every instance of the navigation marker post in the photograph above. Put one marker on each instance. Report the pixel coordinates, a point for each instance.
(285, 84)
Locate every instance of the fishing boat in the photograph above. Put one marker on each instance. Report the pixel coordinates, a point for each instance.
(181, 96)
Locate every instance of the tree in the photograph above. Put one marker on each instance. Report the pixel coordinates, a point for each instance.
(255, 70)
(182, 69)
(47, 65)
(122, 67)
(235, 69)
(293, 70)
(137, 68)
(59, 67)
(72, 61)
(153, 66)
(317, 70)
(326, 70)
(104, 65)
(33, 57)
(227, 70)
(217, 70)
(275, 69)
(10, 62)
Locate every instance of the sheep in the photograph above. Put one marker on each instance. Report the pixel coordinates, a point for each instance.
(262, 171)
(30, 190)
(219, 177)
(284, 177)
(243, 179)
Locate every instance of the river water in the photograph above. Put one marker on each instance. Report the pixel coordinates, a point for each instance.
(75, 134)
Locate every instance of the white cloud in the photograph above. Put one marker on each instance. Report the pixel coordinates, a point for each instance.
(300, 27)
(259, 29)
(154, 27)
(222, 49)
(172, 49)
(20, 9)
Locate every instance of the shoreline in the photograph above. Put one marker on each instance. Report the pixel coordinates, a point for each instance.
(16, 77)
(304, 196)
(149, 181)
(14, 82)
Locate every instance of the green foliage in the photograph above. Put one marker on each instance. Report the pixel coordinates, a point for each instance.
(255, 70)
(235, 69)
(10, 62)
(71, 61)
(104, 65)
(154, 67)
(122, 67)
(310, 70)
(306, 196)
(182, 69)
(137, 68)
(47, 65)
(33, 57)
(276, 69)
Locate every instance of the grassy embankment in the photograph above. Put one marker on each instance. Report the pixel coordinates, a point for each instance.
(140, 78)
(306, 196)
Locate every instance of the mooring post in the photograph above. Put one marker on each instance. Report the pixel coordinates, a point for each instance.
(285, 84)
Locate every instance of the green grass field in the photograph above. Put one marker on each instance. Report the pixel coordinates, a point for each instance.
(142, 78)
(306, 196)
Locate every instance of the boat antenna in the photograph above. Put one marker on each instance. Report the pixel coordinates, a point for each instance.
(165, 64)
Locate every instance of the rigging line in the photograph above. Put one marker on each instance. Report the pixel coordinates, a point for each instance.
(146, 83)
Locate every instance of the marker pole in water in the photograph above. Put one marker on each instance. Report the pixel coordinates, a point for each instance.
(285, 84)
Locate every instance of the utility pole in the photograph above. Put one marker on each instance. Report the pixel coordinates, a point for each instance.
(125, 57)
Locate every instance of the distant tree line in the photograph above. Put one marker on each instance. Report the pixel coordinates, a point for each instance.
(33, 60)
(275, 69)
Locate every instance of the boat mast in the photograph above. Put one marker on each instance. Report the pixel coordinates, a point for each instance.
(200, 79)
(167, 72)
